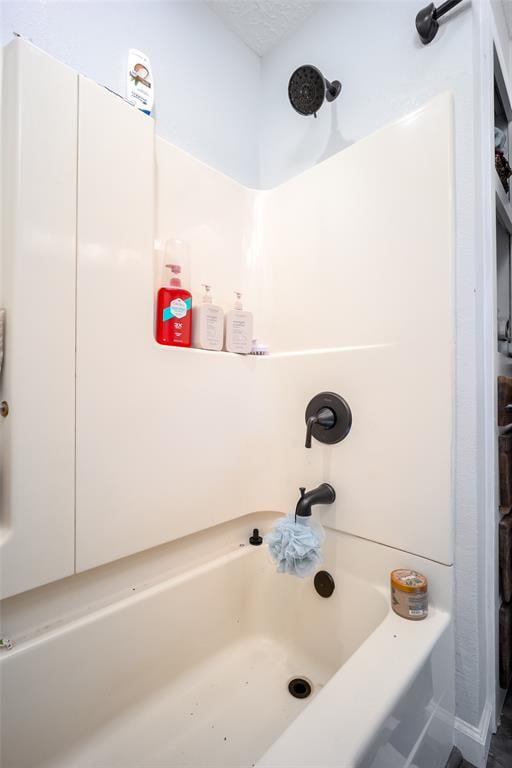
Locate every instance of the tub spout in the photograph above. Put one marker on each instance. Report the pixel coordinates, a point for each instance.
(323, 494)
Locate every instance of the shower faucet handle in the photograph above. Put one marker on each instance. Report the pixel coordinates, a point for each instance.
(325, 418)
(328, 418)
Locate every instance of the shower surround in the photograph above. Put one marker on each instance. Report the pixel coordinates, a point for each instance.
(347, 279)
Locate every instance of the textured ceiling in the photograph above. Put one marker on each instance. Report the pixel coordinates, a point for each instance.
(262, 23)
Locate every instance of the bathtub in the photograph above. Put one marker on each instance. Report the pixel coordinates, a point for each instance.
(193, 671)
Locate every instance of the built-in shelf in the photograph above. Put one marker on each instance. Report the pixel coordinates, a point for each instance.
(503, 204)
(210, 352)
(503, 362)
(501, 82)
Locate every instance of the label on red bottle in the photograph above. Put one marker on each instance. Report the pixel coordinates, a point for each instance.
(177, 308)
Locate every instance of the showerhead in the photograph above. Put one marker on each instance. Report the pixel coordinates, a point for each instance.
(308, 88)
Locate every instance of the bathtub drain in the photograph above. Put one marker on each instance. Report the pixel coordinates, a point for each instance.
(299, 687)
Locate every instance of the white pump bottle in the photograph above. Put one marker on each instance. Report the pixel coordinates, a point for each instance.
(239, 325)
(207, 323)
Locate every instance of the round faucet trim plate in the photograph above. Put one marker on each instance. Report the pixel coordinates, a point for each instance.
(342, 417)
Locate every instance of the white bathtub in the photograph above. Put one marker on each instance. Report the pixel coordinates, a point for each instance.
(193, 671)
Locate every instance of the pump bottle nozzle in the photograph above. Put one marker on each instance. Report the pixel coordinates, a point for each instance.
(207, 296)
(175, 281)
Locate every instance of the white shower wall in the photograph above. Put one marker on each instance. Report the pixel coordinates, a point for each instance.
(37, 289)
(152, 421)
(366, 309)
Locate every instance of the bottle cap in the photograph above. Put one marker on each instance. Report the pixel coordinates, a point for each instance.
(407, 580)
(238, 300)
(177, 259)
(175, 281)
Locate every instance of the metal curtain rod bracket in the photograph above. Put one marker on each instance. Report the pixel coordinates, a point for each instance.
(427, 22)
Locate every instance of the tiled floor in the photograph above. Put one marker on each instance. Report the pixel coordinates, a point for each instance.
(500, 753)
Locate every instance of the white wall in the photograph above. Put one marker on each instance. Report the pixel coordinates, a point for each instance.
(385, 71)
(502, 33)
(373, 49)
(206, 79)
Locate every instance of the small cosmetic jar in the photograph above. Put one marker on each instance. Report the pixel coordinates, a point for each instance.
(409, 594)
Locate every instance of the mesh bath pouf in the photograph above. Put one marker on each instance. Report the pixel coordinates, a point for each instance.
(295, 545)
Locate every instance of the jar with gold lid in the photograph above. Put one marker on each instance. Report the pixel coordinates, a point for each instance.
(409, 594)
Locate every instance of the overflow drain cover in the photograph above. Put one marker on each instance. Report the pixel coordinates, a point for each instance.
(324, 583)
(299, 687)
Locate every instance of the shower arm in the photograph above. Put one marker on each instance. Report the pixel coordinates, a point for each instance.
(427, 22)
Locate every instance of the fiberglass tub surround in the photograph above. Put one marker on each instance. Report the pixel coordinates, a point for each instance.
(106, 685)
(193, 671)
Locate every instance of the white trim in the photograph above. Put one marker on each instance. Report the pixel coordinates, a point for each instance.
(474, 740)
(488, 47)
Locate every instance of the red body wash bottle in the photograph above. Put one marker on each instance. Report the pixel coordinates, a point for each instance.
(174, 312)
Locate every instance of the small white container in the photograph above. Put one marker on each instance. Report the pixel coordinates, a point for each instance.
(239, 325)
(207, 323)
